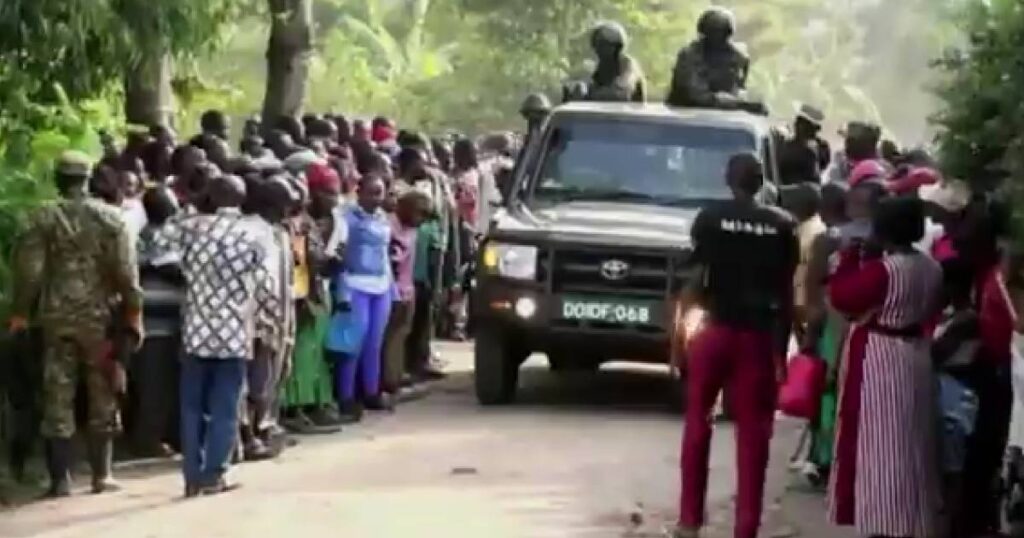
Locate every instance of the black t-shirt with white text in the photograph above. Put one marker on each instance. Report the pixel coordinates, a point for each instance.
(748, 252)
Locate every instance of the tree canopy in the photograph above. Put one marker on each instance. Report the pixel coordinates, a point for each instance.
(86, 45)
(467, 64)
(982, 118)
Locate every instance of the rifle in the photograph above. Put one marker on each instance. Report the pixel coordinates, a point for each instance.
(123, 344)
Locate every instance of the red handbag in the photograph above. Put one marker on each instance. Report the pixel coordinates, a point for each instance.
(800, 395)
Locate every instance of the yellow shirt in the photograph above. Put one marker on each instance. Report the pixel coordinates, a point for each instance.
(806, 232)
(300, 282)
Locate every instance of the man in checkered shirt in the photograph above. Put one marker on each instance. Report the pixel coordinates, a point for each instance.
(230, 303)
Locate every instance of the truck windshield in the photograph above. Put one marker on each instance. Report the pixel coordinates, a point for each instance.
(611, 160)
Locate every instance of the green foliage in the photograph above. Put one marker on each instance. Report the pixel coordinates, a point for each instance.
(71, 43)
(982, 119)
(62, 63)
(27, 154)
(85, 46)
(467, 64)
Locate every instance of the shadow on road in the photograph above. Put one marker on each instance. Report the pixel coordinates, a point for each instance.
(615, 388)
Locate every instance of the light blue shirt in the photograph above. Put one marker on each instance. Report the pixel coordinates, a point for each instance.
(367, 266)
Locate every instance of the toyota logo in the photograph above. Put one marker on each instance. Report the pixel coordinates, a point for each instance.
(614, 270)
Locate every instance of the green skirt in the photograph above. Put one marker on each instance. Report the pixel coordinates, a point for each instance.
(830, 349)
(310, 381)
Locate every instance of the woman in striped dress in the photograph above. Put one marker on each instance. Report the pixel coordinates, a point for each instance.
(885, 478)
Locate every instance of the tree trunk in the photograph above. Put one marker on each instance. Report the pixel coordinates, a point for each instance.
(288, 53)
(149, 99)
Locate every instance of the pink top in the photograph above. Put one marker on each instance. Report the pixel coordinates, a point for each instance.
(943, 249)
(866, 170)
(403, 257)
(914, 180)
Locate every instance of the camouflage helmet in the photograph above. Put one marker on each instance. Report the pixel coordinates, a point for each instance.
(716, 18)
(609, 32)
(535, 104)
(74, 164)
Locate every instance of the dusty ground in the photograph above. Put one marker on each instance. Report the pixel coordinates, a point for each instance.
(579, 456)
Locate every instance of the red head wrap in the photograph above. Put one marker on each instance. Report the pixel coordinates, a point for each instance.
(322, 178)
(382, 133)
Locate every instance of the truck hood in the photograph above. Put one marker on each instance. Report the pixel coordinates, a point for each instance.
(600, 223)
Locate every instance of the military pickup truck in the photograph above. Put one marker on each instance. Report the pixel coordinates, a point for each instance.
(586, 260)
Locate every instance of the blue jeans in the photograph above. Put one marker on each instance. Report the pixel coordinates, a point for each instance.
(210, 392)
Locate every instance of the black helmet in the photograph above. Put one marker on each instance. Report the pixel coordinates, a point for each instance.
(609, 32)
(716, 18)
(535, 104)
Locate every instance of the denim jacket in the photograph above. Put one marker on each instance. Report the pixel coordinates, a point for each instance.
(366, 266)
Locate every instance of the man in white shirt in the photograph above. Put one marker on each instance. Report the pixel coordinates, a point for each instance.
(230, 302)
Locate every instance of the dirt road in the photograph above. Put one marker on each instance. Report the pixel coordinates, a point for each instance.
(578, 456)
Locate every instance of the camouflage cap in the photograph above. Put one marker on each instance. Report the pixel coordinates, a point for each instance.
(74, 163)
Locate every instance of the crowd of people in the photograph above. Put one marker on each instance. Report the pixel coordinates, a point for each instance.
(313, 268)
(896, 279)
(314, 265)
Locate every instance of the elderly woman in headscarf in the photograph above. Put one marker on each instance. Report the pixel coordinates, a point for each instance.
(308, 394)
(885, 476)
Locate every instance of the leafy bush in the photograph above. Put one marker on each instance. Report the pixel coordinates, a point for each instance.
(982, 122)
(32, 137)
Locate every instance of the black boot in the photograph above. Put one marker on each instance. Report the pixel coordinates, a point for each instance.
(325, 420)
(381, 402)
(58, 463)
(351, 412)
(101, 460)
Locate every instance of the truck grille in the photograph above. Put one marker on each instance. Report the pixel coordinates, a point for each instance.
(600, 272)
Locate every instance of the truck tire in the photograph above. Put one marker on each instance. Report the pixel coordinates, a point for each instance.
(496, 367)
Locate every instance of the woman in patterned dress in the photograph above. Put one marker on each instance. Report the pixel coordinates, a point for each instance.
(885, 478)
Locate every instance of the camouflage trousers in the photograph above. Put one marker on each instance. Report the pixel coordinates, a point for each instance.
(68, 360)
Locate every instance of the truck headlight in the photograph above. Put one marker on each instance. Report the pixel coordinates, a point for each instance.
(694, 322)
(511, 261)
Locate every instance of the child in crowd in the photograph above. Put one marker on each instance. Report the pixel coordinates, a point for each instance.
(308, 393)
(413, 206)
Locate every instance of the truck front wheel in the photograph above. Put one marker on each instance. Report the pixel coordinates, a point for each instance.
(496, 367)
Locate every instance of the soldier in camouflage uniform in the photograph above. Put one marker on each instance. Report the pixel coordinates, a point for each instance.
(618, 76)
(76, 274)
(711, 72)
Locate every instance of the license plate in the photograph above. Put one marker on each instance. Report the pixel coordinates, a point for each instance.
(623, 312)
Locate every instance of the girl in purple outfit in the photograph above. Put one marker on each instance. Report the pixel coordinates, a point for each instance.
(365, 287)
